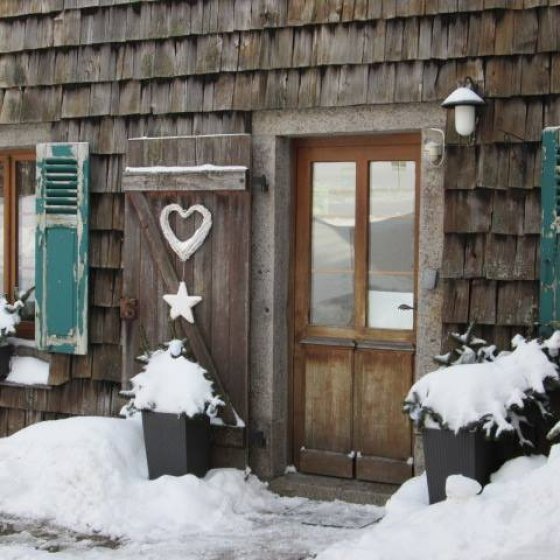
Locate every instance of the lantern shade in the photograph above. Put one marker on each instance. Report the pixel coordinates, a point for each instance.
(464, 100)
(463, 96)
(464, 119)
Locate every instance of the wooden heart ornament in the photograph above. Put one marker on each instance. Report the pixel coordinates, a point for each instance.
(185, 249)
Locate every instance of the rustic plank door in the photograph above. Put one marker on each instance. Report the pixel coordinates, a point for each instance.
(218, 271)
(355, 286)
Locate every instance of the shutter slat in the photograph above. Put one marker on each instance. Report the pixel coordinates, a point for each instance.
(549, 300)
(62, 247)
(61, 185)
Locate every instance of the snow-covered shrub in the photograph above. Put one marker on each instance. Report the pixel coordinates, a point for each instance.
(172, 383)
(10, 315)
(470, 350)
(495, 396)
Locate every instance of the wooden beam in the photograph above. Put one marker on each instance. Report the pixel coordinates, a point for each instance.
(169, 275)
(168, 179)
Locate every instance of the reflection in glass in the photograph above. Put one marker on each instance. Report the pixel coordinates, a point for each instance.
(391, 244)
(332, 243)
(25, 188)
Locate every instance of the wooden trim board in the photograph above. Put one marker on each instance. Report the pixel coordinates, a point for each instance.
(181, 180)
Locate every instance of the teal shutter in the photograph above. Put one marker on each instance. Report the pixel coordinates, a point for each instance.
(62, 240)
(549, 305)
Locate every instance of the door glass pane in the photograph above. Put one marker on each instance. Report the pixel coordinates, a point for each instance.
(332, 243)
(25, 188)
(391, 244)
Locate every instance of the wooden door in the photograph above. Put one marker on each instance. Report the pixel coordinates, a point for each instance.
(355, 286)
(219, 270)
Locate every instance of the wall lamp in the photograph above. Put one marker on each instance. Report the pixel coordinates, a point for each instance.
(465, 100)
(434, 142)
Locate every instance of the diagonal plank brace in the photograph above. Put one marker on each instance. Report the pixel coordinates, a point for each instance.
(169, 275)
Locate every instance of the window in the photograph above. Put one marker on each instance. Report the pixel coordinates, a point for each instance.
(17, 234)
(362, 237)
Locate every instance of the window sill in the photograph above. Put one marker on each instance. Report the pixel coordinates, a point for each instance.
(28, 367)
(4, 383)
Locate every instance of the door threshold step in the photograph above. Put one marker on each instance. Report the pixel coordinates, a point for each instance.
(328, 488)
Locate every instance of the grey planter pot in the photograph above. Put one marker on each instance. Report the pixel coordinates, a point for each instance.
(176, 444)
(466, 453)
(5, 356)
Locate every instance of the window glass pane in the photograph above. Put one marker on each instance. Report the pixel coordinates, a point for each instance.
(2, 218)
(25, 188)
(332, 243)
(391, 244)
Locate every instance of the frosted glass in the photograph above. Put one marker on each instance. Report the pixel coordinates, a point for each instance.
(391, 244)
(332, 243)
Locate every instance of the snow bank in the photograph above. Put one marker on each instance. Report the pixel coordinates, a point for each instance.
(466, 394)
(204, 168)
(516, 516)
(173, 384)
(28, 371)
(459, 487)
(9, 320)
(90, 474)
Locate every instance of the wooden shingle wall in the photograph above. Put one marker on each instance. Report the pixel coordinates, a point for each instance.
(103, 71)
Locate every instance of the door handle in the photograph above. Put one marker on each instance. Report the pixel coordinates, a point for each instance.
(405, 307)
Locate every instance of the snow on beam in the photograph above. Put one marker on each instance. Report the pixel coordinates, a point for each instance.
(195, 178)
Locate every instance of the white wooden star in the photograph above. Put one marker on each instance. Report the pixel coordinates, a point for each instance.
(181, 303)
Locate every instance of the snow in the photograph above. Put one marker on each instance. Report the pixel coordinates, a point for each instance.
(224, 135)
(518, 468)
(465, 394)
(175, 348)
(104, 487)
(28, 371)
(516, 516)
(553, 344)
(459, 487)
(89, 475)
(205, 168)
(8, 321)
(174, 385)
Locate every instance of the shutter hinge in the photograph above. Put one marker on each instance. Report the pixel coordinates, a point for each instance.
(260, 182)
(128, 308)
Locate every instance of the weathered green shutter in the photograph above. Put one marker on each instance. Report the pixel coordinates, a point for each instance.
(62, 240)
(549, 305)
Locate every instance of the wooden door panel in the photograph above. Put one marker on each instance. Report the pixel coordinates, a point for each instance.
(328, 398)
(218, 272)
(352, 370)
(382, 469)
(327, 463)
(382, 432)
(327, 387)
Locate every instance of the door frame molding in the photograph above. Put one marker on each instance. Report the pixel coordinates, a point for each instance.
(273, 133)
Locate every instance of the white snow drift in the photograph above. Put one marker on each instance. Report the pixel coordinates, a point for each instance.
(463, 395)
(515, 517)
(172, 383)
(90, 474)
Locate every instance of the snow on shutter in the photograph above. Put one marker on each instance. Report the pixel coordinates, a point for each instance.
(549, 304)
(61, 277)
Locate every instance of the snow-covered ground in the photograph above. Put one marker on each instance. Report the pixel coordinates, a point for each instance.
(78, 488)
(63, 482)
(515, 518)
